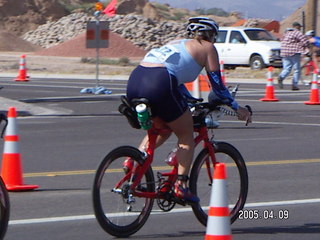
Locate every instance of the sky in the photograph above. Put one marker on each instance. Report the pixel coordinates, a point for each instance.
(268, 9)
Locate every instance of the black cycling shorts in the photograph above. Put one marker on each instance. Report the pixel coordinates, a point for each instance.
(160, 88)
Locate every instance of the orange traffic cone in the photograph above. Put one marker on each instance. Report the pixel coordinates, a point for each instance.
(22, 70)
(223, 76)
(269, 97)
(314, 93)
(201, 84)
(204, 83)
(11, 171)
(218, 225)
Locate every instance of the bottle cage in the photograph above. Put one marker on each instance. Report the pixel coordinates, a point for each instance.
(127, 109)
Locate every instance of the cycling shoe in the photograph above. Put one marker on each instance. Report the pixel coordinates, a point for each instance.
(185, 194)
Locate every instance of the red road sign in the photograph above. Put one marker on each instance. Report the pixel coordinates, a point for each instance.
(97, 34)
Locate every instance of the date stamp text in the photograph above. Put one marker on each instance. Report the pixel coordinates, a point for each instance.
(255, 214)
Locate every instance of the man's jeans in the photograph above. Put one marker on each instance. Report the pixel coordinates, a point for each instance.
(289, 63)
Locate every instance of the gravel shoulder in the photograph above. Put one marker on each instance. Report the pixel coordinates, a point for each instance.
(9, 63)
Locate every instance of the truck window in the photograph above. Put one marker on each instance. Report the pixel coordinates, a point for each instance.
(236, 37)
(259, 35)
(221, 38)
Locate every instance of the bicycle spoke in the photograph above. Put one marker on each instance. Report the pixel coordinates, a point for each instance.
(237, 180)
(118, 204)
(117, 209)
(233, 178)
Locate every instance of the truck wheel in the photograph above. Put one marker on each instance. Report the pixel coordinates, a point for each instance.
(256, 62)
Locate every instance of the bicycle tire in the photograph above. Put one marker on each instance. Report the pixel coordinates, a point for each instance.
(306, 75)
(306, 79)
(110, 208)
(237, 180)
(4, 209)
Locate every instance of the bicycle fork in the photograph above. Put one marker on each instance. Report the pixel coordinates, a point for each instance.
(130, 187)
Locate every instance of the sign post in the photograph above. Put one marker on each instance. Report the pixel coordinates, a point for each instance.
(97, 37)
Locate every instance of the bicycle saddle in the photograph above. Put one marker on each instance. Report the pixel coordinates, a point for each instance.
(128, 110)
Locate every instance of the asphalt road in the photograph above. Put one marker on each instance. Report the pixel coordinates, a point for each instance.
(62, 147)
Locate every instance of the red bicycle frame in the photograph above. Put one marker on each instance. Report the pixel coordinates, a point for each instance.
(310, 66)
(139, 170)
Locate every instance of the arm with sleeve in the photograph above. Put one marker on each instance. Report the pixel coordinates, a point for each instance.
(316, 42)
(302, 39)
(220, 89)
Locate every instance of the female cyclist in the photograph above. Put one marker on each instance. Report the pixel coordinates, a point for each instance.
(160, 78)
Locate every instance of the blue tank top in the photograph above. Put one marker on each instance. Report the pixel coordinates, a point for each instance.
(177, 60)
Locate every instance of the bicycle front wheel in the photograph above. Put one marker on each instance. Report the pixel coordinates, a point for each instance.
(202, 174)
(4, 209)
(117, 210)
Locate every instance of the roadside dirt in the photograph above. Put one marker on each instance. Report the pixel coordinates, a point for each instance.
(66, 57)
(9, 63)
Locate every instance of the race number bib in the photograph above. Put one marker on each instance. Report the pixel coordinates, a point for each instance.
(164, 52)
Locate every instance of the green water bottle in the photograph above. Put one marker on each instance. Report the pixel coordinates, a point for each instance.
(144, 116)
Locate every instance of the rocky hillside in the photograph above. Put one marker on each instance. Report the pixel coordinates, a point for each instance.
(141, 31)
(19, 16)
(48, 23)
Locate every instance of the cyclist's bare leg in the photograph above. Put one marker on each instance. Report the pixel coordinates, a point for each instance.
(163, 135)
(183, 129)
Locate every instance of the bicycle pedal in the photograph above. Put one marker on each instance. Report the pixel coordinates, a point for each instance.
(179, 201)
(141, 189)
(129, 208)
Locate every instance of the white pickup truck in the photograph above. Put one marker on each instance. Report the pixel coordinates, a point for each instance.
(245, 46)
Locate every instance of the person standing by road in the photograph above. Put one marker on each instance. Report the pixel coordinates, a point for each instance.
(293, 44)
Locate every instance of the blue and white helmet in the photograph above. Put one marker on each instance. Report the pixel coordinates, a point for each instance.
(200, 24)
(311, 33)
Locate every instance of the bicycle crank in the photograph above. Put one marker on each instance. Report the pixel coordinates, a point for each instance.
(165, 205)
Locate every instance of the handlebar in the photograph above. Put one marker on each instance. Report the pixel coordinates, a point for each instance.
(201, 109)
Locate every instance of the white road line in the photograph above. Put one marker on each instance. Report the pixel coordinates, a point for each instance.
(276, 123)
(178, 210)
(73, 87)
(282, 203)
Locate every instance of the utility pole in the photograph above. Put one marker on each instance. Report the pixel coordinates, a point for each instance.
(314, 15)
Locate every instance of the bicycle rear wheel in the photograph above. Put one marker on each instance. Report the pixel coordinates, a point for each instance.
(237, 182)
(4, 209)
(111, 205)
(307, 71)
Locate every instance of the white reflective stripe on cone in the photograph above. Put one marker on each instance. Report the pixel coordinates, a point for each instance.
(218, 226)
(219, 186)
(12, 128)
(11, 147)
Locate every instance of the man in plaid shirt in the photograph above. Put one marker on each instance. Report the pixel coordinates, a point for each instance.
(293, 44)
